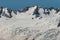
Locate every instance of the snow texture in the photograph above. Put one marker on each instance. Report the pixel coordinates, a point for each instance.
(31, 23)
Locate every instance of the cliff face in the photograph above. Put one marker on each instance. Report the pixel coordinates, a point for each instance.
(31, 23)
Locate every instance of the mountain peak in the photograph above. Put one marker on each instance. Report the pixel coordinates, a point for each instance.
(36, 10)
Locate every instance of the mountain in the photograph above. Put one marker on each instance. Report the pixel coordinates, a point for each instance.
(30, 23)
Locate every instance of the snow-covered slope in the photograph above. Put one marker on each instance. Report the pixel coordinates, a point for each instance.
(31, 23)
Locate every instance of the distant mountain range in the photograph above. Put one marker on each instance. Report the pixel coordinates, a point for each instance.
(3, 11)
(30, 23)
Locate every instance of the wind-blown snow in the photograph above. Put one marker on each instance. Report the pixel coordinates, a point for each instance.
(27, 26)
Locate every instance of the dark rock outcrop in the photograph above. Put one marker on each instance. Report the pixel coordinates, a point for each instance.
(1, 11)
(10, 11)
(58, 25)
(36, 13)
(46, 11)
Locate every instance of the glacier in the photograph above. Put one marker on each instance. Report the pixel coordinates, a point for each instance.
(30, 23)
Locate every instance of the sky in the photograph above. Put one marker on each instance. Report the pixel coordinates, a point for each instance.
(20, 4)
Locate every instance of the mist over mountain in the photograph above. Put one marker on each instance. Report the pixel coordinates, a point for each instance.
(30, 23)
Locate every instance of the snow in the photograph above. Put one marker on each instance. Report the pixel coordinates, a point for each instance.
(24, 20)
